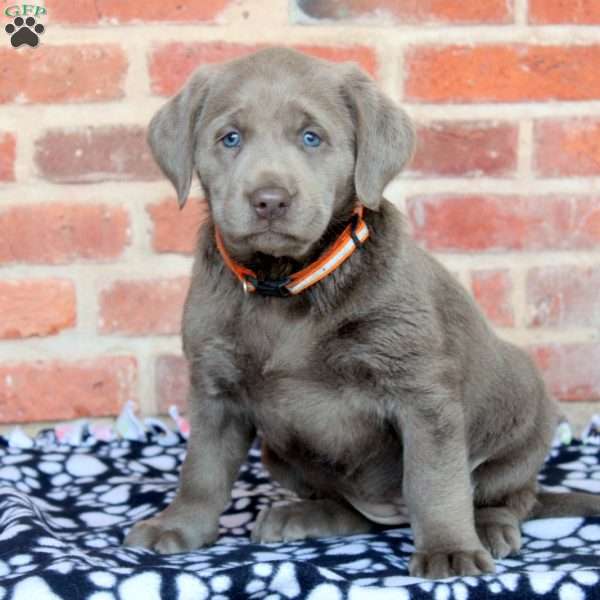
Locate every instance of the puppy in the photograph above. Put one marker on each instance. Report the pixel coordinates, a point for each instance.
(313, 318)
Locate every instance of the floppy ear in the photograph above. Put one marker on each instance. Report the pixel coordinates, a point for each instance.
(384, 137)
(171, 134)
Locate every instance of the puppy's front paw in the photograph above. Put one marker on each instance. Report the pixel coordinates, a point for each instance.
(439, 565)
(167, 535)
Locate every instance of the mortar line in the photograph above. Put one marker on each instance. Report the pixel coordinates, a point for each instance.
(136, 111)
(521, 11)
(327, 33)
(526, 150)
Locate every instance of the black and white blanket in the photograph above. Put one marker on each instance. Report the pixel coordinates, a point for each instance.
(64, 510)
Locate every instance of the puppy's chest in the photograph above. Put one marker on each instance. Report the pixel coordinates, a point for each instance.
(300, 406)
(274, 344)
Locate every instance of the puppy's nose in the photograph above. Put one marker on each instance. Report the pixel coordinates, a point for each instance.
(270, 202)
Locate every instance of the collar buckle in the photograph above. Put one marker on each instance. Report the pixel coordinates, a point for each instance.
(269, 287)
(245, 286)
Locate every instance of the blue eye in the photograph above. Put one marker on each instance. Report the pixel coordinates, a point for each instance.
(232, 140)
(311, 139)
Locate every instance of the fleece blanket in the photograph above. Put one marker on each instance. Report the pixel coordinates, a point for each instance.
(64, 509)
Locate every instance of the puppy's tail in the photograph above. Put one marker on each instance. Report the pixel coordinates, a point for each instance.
(570, 504)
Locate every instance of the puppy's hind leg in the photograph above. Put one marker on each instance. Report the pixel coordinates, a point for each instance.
(498, 523)
(314, 516)
(501, 503)
(498, 527)
(308, 519)
(285, 474)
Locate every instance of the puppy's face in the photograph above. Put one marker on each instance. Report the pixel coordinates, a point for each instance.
(281, 143)
(275, 153)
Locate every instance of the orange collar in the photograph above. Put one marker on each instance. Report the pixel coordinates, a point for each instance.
(353, 236)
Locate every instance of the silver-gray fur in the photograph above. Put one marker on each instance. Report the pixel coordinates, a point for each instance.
(382, 384)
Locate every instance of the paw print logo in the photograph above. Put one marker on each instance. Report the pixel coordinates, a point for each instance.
(24, 32)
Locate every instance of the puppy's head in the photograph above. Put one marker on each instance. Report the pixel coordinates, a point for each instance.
(281, 142)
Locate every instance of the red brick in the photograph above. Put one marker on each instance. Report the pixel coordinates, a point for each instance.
(8, 151)
(143, 307)
(466, 149)
(36, 307)
(117, 11)
(63, 11)
(175, 229)
(409, 11)
(95, 154)
(172, 382)
(56, 390)
(78, 73)
(499, 223)
(488, 223)
(492, 290)
(62, 233)
(565, 295)
(171, 64)
(578, 12)
(364, 56)
(503, 73)
(570, 371)
(567, 147)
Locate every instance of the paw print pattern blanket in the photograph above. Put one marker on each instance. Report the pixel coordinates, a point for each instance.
(64, 510)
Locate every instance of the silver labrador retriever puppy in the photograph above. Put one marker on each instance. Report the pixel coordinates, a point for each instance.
(371, 375)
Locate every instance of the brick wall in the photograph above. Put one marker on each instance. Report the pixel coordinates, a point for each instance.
(95, 256)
